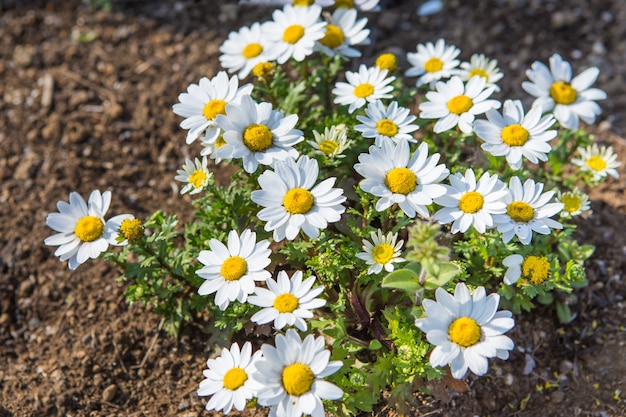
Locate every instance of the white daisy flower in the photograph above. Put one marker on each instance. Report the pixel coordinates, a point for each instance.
(209, 146)
(295, 3)
(365, 86)
(395, 176)
(456, 104)
(287, 302)
(244, 49)
(569, 98)
(258, 134)
(83, 232)
(575, 202)
(535, 269)
(195, 175)
(515, 135)
(432, 62)
(387, 123)
(466, 329)
(204, 101)
(294, 31)
(468, 203)
(231, 270)
(332, 143)
(381, 252)
(361, 5)
(599, 161)
(293, 202)
(527, 211)
(481, 66)
(344, 31)
(292, 376)
(230, 378)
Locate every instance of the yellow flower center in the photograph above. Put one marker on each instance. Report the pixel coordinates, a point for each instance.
(252, 50)
(387, 61)
(257, 137)
(479, 72)
(344, 4)
(562, 93)
(213, 108)
(89, 228)
(460, 104)
(305, 3)
(596, 163)
(382, 253)
(233, 268)
(131, 229)
(219, 142)
(234, 378)
(536, 268)
(471, 202)
(433, 65)
(520, 212)
(401, 180)
(514, 135)
(387, 127)
(571, 202)
(286, 303)
(464, 331)
(363, 90)
(197, 178)
(298, 201)
(263, 69)
(293, 33)
(297, 379)
(334, 36)
(329, 147)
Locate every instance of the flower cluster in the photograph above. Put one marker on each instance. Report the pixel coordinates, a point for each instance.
(348, 214)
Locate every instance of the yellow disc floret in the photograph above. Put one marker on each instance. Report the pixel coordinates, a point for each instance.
(562, 93)
(363, 90)
(344, 4)
(213, 108)
(298, 201)
(263, 69)
(460, 104)
(286, 303)
(382, 253)
(304, 3)
(514, 135)
(387, 61)
(596, 163)
(297, 379)
(434, 64)
(293, 33)
(471, 202)
(334, 37)
(571, 202)
(252, 50)
(387, 127)
(233, 268)
(401, 180)
(536, 268)
(479, 72)
(520, 212)
(198, 178)
(329, 147)
(464, 331)
(234, 378)
(131, 229)
(89, 228)
(257, 137)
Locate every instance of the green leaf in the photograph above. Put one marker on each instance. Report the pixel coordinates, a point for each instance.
(439, 273)
(402, 279)
(375, 344)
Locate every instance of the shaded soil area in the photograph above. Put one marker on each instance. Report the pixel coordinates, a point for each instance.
(85, 103)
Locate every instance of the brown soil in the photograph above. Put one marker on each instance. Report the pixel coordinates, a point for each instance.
(85, 104)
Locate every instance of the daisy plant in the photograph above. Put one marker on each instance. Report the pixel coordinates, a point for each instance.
(356, 232)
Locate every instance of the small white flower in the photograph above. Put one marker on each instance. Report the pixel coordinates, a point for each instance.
(332, 143)
(293, 202)
(230, 378)
(575, 202)
(569, 98)
(395, 176)
(432, 62)
(257, 134)
(456, 104)
(515, 135)
(292, 376)
(481, 66)
(287, 302)
(195, 175)
(244, 49)
(294, 31)
(381, 252)
(527, 211)
(231, 270)
(295, 3)
(392, 122)
(210, 146)
(466, 329)
(365, 86)
(83, 232)
(468, 203)
(535, 269)
(204, 101)
(344, 31)
(599, 161)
